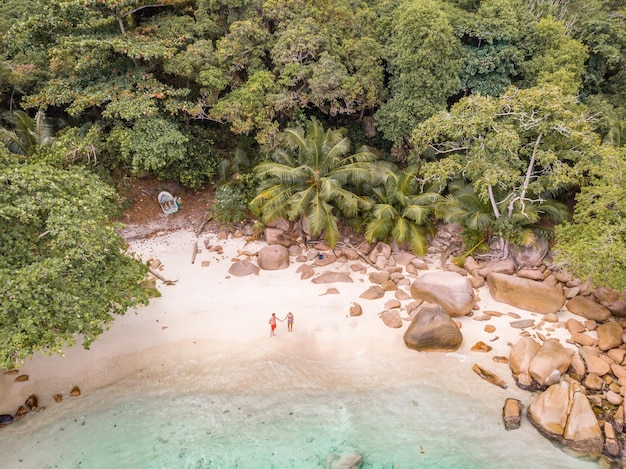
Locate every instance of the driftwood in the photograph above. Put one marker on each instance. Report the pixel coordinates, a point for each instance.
(206, 219)
(362, 256)
(194, 252)
(489, 376)
(161, 278)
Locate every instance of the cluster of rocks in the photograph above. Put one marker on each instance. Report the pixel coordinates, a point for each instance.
(32, 402)
(581, 389)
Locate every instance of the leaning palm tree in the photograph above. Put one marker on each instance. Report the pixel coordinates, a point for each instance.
(313, 177)
(403, 211)
(27, 134)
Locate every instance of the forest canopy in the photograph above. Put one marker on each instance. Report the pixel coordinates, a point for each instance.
(401, 111)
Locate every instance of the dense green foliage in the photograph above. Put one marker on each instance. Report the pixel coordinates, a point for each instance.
(63, 269)
(500, 105)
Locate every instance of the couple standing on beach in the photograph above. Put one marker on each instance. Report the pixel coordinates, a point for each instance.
(273, 319)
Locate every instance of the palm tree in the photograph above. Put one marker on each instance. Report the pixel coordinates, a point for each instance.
(403, 211)
(28, 133)
(616, 135)
(314, 177)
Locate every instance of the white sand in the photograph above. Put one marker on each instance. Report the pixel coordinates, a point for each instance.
(209, 312)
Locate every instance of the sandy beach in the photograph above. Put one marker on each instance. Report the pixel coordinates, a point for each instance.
(209, 312)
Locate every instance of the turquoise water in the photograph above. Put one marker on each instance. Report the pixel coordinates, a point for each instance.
(284, 417)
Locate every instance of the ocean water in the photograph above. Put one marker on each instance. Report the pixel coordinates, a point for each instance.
(268, 410)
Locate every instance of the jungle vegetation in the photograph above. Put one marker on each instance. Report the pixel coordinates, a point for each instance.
(506, 116)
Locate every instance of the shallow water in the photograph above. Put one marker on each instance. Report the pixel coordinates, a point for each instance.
(274, 411)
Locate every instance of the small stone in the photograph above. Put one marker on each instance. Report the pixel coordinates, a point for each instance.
(522, 323)
(614, 398)
(489, 328)
(495, 314)
(11, 372)
(356, 310)
(550, 317)
(58, 398)
(75, 391)
(21, 411)
(500, 359)
(513, 315)
(21, 378)
(481, 347)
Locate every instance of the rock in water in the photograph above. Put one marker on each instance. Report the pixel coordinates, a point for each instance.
(512, 413)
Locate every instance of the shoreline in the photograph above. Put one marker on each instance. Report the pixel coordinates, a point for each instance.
(207, 309)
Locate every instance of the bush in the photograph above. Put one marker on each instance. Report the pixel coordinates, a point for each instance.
(231, 204)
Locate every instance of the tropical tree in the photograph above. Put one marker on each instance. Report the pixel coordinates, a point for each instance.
(314, 177)
(27, 134)
(402, 211)
(64, 271)
(526, 222)
(516, 150)
(424, 60)
(593, 245)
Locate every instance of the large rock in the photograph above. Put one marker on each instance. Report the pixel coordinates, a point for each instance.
(273, 257)
(588, 309)
(563, 414)
(609, 335)
(243, 268)
(450, 290)
(522, 293)
(551, 361)
(433, 330)
(520, 357)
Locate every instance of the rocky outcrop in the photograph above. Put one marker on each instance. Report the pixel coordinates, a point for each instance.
(562, 413)
(433, 330)
(522, 293)
(391, 318)
(532, 254)
(609, 335)
(277, 236)
(453, 292)
(614, 300)
(273, 257)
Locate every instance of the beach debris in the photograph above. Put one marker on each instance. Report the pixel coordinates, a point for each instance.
(489, 376)
(21, 378)
(162, 279)
(75, 391)
(194, 252)
(205, 219)
(512, 413)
